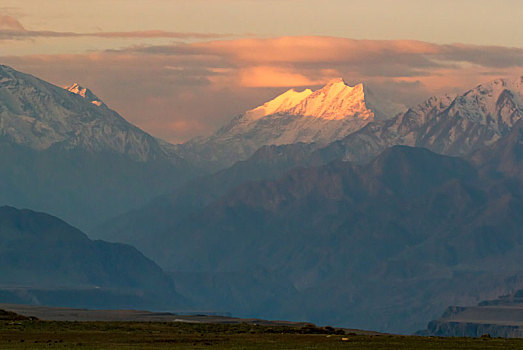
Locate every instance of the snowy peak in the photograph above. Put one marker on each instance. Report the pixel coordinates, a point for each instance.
(280, 104)
(320, 117)
(38, 115)
(490, 93)
(497, 104)
(85, 93)
(336, 100)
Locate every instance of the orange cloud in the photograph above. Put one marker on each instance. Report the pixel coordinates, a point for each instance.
(312, 49)
(266, 76)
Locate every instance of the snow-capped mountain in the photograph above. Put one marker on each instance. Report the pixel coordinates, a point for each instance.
(307, 116)
(451, 125)
(497, 105)
(65, 152)
(40, 115)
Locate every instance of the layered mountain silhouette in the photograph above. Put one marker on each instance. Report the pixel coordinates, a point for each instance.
(65, 152)
(327, 206)
(454, 125)
(46, 261)
(385, 245)
(499, 98)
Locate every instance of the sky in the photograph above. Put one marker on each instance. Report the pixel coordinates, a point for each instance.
(182, 68)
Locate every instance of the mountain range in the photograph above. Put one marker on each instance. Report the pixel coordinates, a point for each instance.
(396, 233)
(321, 117)
(333, 206)
(443, 125)
(452, 125)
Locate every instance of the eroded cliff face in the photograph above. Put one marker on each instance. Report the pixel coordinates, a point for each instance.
(470, 329)
(502, 317)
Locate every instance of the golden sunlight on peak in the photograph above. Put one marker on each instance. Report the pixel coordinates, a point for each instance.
(280, 103)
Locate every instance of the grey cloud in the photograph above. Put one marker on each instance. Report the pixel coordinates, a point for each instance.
(487, 56)
(28, 34)
(12, 29)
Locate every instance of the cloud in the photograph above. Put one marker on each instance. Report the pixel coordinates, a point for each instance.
(12, 29)
(266, 76)
(298, 50)
(486, 56)
(306, 59)
(28, 34)
(183, 90)
(313, 49)
(158, 34)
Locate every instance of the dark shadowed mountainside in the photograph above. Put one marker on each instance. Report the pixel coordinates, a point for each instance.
(269, 162)
(505, 157)
(43, 260)
(386, 245)
(452, 125)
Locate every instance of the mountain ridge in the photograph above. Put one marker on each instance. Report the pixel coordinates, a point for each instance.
(451, 124)
(383, 245)
(81, 161)
(38, 114)
(320, 117)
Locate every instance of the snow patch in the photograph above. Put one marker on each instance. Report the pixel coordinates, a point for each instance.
(279, 104)
(85, 93)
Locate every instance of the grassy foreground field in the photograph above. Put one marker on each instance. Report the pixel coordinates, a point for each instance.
(173, 335)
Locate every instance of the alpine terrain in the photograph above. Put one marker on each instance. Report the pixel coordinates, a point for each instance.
(65, 152)
(452, 125)
(382, 244)
(319, 117)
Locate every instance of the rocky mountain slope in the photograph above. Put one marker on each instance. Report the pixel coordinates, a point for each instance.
(386, 245)
(385, 241)
(269, 162)
(451, 125)
(39, 115)
(65, 152)
(320, 117)
(46, 261)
